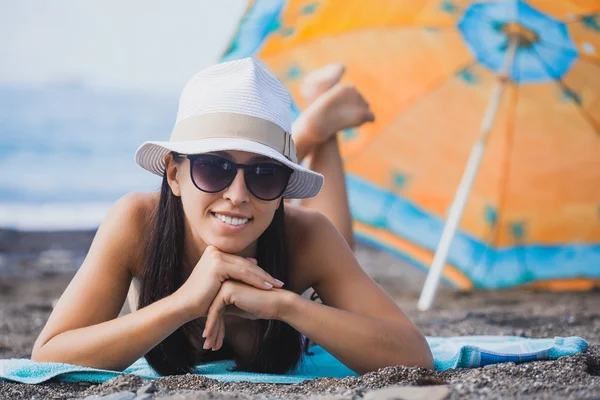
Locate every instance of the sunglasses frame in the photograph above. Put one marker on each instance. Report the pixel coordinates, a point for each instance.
(246, 167)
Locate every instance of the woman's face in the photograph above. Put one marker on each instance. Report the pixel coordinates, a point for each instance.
(208, 216)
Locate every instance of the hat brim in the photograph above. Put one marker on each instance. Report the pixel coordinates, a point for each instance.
(303, 183)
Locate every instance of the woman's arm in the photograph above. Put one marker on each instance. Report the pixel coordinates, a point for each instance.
(360, 342)
(118, 343)
(363, 343)
(358, 322)
(82, 328)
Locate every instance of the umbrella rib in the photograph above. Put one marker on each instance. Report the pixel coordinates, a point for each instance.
(595, 126)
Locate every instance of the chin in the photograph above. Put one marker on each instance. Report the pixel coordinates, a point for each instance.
(229, 245)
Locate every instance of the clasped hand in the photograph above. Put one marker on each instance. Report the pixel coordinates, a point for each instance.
(225, 284)
(242, 300)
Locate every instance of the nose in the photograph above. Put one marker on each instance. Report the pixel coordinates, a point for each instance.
(237, 192)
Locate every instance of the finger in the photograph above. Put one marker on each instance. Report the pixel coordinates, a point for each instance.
(221, 337)
(215, 339)
(217, 333)
(243, 263)
(249, 276)
(206, 344)
(219, 326)
(211, 322)
(247, 272)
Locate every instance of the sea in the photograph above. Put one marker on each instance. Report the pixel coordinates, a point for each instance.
(67, 152)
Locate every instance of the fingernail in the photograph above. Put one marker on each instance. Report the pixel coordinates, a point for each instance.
(268, 285)
(204, 333)
(278, 281)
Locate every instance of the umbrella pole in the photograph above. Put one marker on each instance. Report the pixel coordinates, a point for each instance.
(464, 188)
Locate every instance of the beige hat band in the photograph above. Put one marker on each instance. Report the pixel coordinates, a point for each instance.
(232, 125)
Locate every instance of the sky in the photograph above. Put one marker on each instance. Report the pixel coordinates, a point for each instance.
(82, 84)
(141, 45)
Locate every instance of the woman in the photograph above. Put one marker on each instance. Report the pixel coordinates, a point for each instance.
(221, 267)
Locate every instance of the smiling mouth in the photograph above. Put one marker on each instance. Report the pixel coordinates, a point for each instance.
(233, 221)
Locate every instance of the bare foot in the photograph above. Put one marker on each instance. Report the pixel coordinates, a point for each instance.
(318, 82)
(339, 108)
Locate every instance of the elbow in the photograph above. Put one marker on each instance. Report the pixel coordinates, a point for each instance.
(427, 360)
(37, 354)
(415, 352)
(423, 357)
(40, 354)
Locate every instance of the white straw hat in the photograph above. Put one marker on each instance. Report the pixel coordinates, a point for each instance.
(236, 105)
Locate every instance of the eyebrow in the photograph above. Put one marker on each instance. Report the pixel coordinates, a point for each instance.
(228, 156)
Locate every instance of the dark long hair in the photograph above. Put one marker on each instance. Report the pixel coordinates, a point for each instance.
(278, 347)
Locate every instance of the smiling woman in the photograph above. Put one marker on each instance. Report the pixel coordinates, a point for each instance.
(218, 259)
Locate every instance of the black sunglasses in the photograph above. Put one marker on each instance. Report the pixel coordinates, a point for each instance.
(211, 174)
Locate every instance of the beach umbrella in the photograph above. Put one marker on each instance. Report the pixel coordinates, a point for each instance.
(483, 166)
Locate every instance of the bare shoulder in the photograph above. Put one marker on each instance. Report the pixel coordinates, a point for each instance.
(307, 231)
(129, 220)
(137, 206)
(135, 210)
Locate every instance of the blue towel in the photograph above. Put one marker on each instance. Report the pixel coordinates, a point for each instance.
(478, 351)
(448, 352)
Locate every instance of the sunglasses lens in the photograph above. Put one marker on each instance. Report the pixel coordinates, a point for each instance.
(212, 173)
(267, 181)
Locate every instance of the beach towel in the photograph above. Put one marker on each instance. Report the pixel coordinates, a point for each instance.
(448, 352)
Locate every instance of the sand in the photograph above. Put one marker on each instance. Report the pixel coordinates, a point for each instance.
(36, 267)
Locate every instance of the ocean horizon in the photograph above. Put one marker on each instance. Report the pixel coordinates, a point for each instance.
(67, 152)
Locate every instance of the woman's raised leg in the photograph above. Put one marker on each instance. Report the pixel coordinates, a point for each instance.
(332, 201)
(333, 106)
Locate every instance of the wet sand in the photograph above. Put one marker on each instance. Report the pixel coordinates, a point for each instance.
(35, 267)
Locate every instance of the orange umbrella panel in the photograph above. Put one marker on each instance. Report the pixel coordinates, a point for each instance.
(428, 69)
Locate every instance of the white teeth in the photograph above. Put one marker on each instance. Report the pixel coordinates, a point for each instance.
(231, 221)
